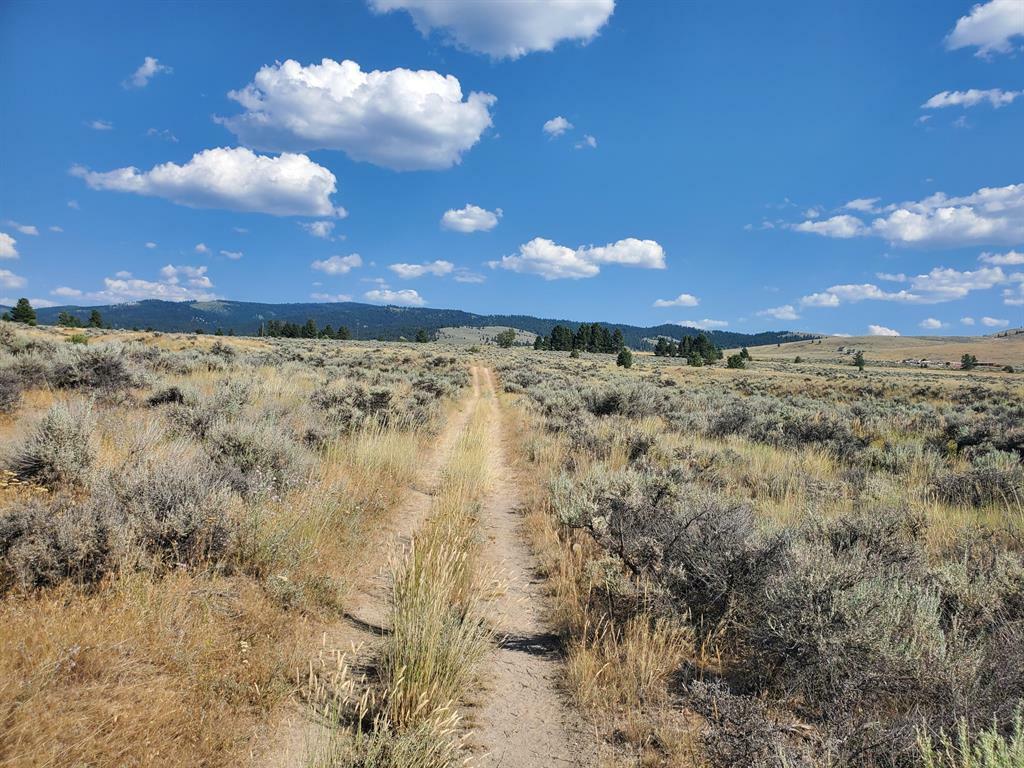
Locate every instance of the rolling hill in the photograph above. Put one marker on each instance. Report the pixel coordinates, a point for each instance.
(365, 321)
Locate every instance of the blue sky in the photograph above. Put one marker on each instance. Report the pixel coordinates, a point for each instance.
(847, 167)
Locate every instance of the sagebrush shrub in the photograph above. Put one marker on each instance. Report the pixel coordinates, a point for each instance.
(58, 451)
(10, 389)
(44, 541)
(195, 416)
(104, 367)
(256, 457)
(176, 509)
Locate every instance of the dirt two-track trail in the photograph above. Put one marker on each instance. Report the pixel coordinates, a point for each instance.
(519, 719)
(522, 720)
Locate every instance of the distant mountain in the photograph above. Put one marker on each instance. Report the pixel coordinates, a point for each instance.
(366, 321)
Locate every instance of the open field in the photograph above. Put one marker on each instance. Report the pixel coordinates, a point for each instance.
(997, 350)
(315, 554)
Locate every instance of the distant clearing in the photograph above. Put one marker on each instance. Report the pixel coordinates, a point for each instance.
(485, 335)
(1001, 350)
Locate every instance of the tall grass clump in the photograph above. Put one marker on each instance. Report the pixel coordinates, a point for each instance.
(438, 634)
(986, 749)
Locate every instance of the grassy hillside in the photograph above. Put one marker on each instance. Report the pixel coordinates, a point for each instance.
(997, 350)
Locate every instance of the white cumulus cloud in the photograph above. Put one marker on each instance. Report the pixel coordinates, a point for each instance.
(881, 330)
(706, 324)
(321, 229)
(175, 283)
(338, 265)
(8, 246)
(470, 218)
(101, 125)
(202, 248)
(552, 261)
(463, 275)
(989, 215)
(842, 225)
(785, 312)
(406, 297)
(682, 300)
(235, 179)
(1008, 259)
(588, 142)
(330, 297)
(233, 255)
(969, 98)
(967, 320)
(989, 27)
(823, 299)
(505, 28)
(401, 119)
(863, 204)
(146, 71)
(931, 324)
(556, 126)
(994, 322)
(25, 229)
(409, 271)
(10, 280)
(939, 285)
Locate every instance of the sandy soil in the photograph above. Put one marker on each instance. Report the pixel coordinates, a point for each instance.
(522, 720)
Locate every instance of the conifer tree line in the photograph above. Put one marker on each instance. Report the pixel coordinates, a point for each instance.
(698, 350)
(589, 337)
(308, 330)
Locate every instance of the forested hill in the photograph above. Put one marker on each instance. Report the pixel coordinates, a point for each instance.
(365, 321)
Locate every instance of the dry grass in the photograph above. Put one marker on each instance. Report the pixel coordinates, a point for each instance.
(193, 667)
(437, 630)
(619, 675)
(409, 715)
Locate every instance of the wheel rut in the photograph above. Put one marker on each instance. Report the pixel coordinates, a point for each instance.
(365, 617)
(522, 720)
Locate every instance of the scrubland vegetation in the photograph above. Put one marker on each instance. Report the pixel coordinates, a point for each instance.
(775, 565)
(783, 566)
(179, 519)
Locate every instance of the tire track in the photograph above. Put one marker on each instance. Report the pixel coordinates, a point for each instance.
(367, 604)
(522, 720)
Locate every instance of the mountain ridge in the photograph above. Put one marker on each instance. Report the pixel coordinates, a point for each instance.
(367, 321)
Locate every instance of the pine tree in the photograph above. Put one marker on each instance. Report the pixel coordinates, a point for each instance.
(858, 360)
(95, 319)
(23, 312)
(344, 334)
(625, 358)
(661, 347)
(505, 339)
(421, 336)
(68, 320)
